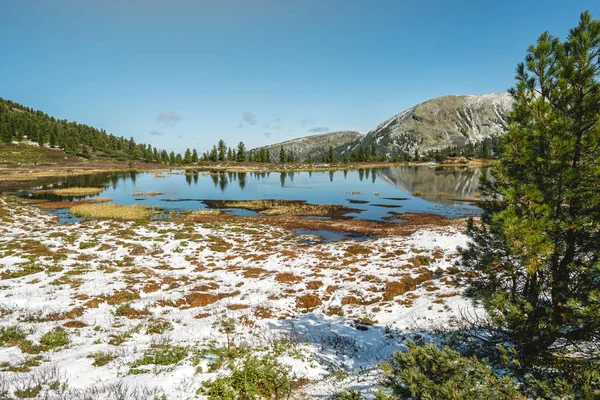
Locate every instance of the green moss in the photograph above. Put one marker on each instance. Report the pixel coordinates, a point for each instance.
(87, 245)
(11, 335)
(28, 392)
(157, 327)
(55, 338)
(27, 346)
(23, 366)
(101, 358)
(28, 269)
(164, 354)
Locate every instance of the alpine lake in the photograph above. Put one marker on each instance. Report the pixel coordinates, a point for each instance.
(372, 194)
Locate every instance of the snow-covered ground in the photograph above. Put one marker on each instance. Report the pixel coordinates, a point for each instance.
(121, 289)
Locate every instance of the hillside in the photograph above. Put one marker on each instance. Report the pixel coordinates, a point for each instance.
(24, 124)
(313, 146)
(439, 123)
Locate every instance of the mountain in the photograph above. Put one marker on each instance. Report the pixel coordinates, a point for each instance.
(435, 124)
(439, 123)
(314, 146)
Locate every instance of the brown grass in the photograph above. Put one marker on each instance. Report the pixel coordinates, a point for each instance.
(196, 299)
(411, 223)
(75, 324)
(141, 193)
(254, 272)
(74, 191)
(357, 249)
(350, 300)
(314, 285)
(150, 287)
(393, 289)
(282, 207)
(122, 296)
(262, 312)
(57, 205)
(287, 277)
(125, 310)
(420, 260)
(113, 211)
(308, 301)
(234, 307)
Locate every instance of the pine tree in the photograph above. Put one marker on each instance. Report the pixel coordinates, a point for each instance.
(187, 158)
(417, 155)
(214, 154)
(536, 251)
(282, 155)
(222, 148)
(241, 152)
(194, 156)
(5, 134)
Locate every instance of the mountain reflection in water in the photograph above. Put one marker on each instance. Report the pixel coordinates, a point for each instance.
(374, 192)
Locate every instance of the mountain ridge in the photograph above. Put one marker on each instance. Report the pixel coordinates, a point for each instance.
(312, 145)
(434, 124)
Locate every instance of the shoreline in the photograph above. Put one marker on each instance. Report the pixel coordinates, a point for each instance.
(35, 172)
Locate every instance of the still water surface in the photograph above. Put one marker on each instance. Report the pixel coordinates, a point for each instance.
(375, 193)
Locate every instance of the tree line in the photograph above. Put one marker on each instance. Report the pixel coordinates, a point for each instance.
(18, 123)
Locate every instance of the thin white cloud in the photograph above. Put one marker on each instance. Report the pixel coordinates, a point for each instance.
(154, 132)
(249, 118)
(169, 118)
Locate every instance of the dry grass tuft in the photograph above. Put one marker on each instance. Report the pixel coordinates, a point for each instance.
(196, 299)
(282, 207)
(113, 211)
(151, 287)
(393, 289)
(74, 191)
(57, 205)
(285, 277)
(254, 272)
(263, 312)
(314, 285)
(141, 193)
(350, 300)
(308, 301)
(357, 249)
(234, 307)
(75, 324)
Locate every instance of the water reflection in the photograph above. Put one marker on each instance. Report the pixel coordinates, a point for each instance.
(441, 185)
(242, 179)
(439, 188)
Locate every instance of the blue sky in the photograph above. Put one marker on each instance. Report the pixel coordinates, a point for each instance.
(185, 73)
